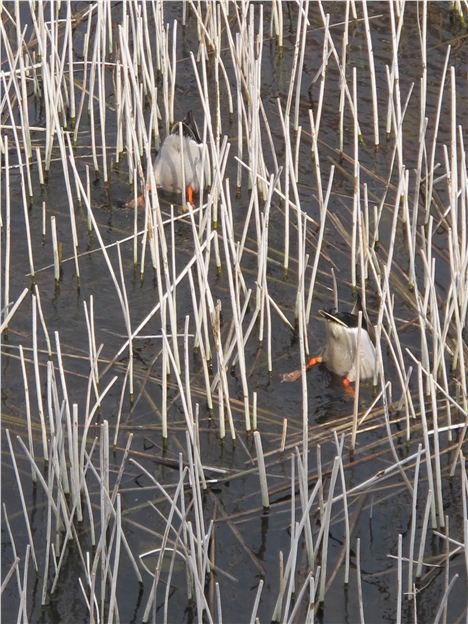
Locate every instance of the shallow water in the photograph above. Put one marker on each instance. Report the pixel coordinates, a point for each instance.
(248, 540)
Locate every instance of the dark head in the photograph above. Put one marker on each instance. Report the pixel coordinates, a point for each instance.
(189, 128)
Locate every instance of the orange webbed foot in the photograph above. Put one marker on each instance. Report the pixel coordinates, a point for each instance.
(292, 376)
(140, 202)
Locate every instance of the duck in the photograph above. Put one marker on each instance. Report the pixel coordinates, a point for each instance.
(340, 354)
(179, 160)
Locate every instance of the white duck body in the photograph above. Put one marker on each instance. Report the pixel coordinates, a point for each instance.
(180, 160)
(340, 353)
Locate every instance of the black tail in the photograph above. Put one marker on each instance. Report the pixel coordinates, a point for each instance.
(346, 319)
(189, 128)
(335, 317)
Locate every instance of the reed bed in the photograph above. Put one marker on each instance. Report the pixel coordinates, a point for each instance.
(154, 468)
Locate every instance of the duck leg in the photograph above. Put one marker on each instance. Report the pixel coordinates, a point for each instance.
(189, 195)
(348, 388)
(316, 359)
(294, 375)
